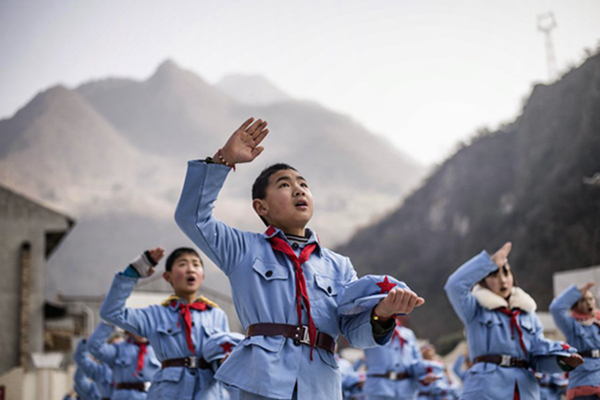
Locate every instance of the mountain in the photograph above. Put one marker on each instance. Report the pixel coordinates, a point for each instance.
(523, 183)
(113, 153)
(251, 90)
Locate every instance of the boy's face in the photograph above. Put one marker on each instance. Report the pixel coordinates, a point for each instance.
(186, 275)
(288, 204)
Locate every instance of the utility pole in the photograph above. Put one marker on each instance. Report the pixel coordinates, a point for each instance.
(546, 23)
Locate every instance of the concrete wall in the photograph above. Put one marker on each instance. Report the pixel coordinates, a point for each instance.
(22, 220)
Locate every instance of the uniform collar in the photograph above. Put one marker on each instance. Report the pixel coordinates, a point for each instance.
(174, 301)
(518, 299)
(273, 231)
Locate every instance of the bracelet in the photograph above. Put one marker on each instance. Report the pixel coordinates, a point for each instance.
(223, 160)
(378, 318)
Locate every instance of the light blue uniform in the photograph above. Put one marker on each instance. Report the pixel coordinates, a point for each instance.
(489, 333)
(458, 367)
(351, 380)
(122, 358)
(441, 389)
(101, 374)
(164, 329)
(84, 386)
(264, 291)
(584, 338)
(552, 386)
(393, 357)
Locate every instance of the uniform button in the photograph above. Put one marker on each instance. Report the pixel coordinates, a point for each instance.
(397, 364)
(141, 374)
(329, 289)
(269, 274)
(192, 323)
(295, 246)
(193, 372)
(297, 342)
(168, 331)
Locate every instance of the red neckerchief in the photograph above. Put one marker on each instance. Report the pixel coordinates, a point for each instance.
(143, 349)
(514, 323)
(185, 312)
(586, 319)
(397, 335)
(281, 245)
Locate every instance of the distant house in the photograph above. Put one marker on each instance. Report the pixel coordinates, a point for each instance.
(29, 234)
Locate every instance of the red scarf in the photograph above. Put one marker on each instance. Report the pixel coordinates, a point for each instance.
(143, 349)
(397, 335)
(587, 319)
(514, 324)
(281, 245)
(186, 314)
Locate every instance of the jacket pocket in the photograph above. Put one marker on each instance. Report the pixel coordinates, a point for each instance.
(270, 271)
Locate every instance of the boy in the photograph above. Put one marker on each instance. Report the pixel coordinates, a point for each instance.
(101, 374)
(284, 283)
(133, 362)
(176, 329)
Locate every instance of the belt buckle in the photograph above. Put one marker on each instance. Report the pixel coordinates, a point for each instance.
(191, 362)
(596, 353)
(305, 335)
(147, 386)
(393, 375)
(505, 361)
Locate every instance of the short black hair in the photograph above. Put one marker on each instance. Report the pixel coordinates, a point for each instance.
(175, 254)
(259, 188)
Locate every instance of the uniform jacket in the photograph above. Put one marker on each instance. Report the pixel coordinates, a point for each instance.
(395, 357)
(101, 374)
(84, 386)
(164, 329)
(122, 358)
(489, 333)
(441, 389)
(263, 288)
(584, 336)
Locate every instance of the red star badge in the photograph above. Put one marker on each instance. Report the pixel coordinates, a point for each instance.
(227, 347)
(565, 346)
(386, 285)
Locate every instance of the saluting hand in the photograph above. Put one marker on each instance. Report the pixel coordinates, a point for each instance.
(500, 258)
(157, 254)
(586, 287)
(398, 301)
(243, 145)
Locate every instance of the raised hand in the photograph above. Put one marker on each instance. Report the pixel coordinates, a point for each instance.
(398, 301)
(243, 145)
(586, 287)
(157, 253)
(500, 258)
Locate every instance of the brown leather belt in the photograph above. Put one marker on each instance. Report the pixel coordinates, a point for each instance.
(590, 353)
(393, 376)
(503, 361)
(298, 333)
(440, 393)
(188, 362)
(139, 386)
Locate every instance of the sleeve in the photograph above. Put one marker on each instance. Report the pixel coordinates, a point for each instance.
(89, 367)
(113, 310)
(84, 387)
(224, 245)
(457, 367)
(560, 307)
(459, 285)
(358, 328)
(98, 346)
(545, 353)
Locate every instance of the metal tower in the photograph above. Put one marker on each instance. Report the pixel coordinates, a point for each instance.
(546, 23)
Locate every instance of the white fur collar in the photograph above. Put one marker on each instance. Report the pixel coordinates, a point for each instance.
(490, 300)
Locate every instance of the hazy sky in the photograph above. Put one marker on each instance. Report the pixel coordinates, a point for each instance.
(425, 73)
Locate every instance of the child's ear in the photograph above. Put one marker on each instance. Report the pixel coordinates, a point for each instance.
(167, 276)
(260, 207)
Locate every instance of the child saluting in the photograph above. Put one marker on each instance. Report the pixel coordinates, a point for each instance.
(177, 329)
(285, 285)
